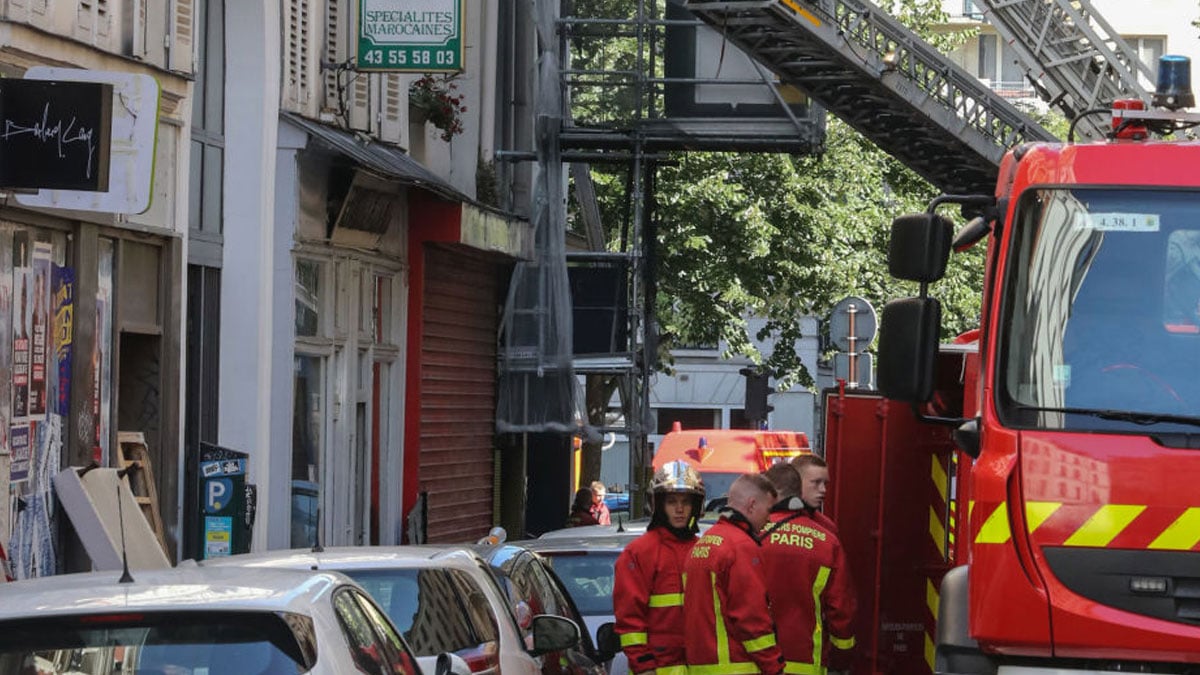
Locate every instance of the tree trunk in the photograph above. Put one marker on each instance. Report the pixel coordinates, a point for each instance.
(598, 391)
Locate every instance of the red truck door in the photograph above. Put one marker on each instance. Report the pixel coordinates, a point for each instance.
(890, 496)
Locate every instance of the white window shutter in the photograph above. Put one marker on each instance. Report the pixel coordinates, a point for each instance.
(296, 75)
(335, 54)
(183, 41)
(138, 29)
(394, 96)
(360, 102)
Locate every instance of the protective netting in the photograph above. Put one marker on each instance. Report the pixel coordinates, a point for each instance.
(537, 381)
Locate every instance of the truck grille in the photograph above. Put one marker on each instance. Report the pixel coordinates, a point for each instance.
(1161, 584)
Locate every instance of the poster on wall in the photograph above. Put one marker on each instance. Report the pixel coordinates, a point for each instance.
(22, 295)
(102, 355)
(22, 453)
(63, 304)
(39, 329)
(6, 241)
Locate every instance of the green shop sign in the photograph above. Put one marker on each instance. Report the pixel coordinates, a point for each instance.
(410, 35)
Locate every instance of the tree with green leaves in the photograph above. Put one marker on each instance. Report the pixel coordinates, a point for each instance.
(773, 236)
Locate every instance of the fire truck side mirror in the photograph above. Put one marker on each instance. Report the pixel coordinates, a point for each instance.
(908, 345)
(919, 247)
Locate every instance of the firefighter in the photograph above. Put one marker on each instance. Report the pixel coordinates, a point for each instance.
(814, 480)
(728, 629)
(812, 596)
(648, 586)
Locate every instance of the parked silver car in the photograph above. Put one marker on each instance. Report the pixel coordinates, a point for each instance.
(194, 620)
(441, 598)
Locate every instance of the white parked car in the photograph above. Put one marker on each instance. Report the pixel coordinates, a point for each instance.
(441, 598)
(200, 621)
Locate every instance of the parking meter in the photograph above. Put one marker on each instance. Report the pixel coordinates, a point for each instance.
(225, 511)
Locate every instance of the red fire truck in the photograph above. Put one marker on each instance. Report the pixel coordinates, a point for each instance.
(1038, 482)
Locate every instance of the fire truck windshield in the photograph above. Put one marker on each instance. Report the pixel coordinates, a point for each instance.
(1101, 309)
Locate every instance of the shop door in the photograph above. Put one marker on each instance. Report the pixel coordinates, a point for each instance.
(458, 393)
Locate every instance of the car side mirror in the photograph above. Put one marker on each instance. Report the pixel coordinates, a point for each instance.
(608, 643)
(451, 664)
(553, 634)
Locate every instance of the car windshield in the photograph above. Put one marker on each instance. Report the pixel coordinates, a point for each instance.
(436, 609)
(1102, 311)
(175, 643)
(588, 577)
(717, 484)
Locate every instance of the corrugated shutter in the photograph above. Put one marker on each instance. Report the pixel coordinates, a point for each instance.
(458, 393)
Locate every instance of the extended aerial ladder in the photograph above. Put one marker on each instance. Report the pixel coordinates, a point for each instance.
(1071, 55)
(881, 78)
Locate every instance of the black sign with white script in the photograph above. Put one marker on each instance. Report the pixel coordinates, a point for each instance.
(55, 135)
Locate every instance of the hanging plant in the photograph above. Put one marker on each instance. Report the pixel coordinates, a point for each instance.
(434, 100)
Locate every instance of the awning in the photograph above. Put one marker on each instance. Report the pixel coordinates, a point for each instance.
(385, 159)
(448, 215)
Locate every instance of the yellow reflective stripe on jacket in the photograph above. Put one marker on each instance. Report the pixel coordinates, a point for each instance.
(671, 670)
(842, 643)
(759, 643)
(723, 666)
(667, 600)
(631, 639)
(797, 668)
(725, 669)
(817, 589)
(719, 621)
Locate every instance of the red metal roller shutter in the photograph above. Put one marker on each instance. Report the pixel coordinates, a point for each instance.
(458, 393)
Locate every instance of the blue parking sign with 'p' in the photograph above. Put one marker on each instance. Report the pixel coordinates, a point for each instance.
(217, 493)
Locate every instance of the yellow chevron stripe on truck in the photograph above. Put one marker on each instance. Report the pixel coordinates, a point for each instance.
(1095, 525)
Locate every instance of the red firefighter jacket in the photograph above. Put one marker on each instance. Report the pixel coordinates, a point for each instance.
(812, 596)
(728, 629)
(648, 601)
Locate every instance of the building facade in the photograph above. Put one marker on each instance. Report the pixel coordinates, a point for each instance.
(363, 264)
(92, 283)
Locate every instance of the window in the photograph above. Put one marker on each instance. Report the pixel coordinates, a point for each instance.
(308, 428)
(207, 170)
(160, 642)
(367, 652)
(588, 578)
(689, 418)
(1102, 305)
(399, 656)
(436, 609)
(1148, 50)
(998, 66)
(308, 297)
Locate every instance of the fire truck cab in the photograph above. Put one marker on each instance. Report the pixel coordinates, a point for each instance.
(1078, 549)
